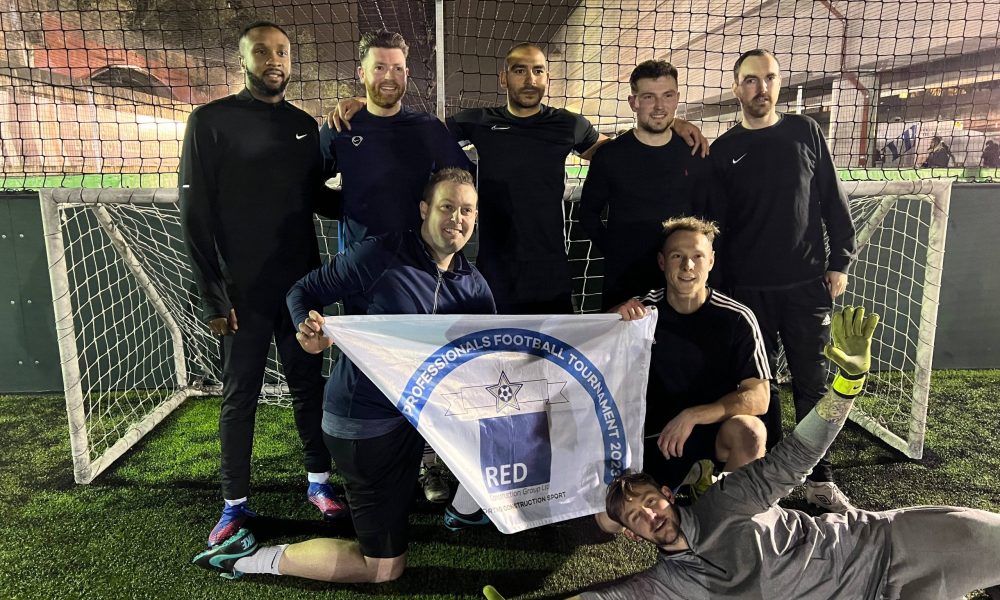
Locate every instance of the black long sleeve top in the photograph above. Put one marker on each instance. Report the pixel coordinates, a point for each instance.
(781, 189)
(250, 179)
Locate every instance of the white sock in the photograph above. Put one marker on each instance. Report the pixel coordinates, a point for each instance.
(237, 501)
(318, 477)
(264, 560)
(463, 502)
(430, 457)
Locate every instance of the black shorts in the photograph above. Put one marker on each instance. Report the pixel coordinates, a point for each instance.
(380, 475)
(699, 445)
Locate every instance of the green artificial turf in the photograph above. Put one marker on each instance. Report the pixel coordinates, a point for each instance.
(132, 533)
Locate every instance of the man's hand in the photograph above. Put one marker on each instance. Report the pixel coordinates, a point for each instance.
(692, 135)
(310, 334)
(491, 593)
(630, 310)
(836, 282)
(340, 117)
(224, 325)
(851, 346)
(676, 433)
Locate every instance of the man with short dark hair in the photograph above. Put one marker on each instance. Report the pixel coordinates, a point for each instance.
(250, 179)
(376, 449)
(738, 542)
(708, 372)
(780, 193)
(642, 177)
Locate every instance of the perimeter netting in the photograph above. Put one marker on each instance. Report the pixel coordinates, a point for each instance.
(97, 93)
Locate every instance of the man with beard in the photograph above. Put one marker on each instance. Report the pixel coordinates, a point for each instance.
(781, 191)
(390, 150)
(522, 150)
(737, 541)
(250, 179)
(643, 177)
(384, 161)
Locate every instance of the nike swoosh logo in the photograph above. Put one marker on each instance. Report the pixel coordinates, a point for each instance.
(299, 136)
(498, 128)
(736, 160)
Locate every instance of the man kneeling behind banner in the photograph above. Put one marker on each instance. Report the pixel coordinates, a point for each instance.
(535, 415)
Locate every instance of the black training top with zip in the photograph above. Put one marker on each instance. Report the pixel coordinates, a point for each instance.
(250, 179)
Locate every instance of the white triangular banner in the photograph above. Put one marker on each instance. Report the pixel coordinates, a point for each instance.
(534, 414)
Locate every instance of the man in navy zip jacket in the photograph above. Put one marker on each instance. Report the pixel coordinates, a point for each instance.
(781, 191)
(376, 450)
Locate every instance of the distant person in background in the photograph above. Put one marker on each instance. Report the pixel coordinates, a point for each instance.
(991, 155)
(939, 154)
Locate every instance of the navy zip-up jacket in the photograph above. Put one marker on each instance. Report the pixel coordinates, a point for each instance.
(396, 276)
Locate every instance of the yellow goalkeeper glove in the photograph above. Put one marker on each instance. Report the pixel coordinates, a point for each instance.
(851, 348)
(491, 593)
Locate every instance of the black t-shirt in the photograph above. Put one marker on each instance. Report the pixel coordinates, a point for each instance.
(521, 185)
(641, 186)
(385, 163)
(700, 357)
(781, 188)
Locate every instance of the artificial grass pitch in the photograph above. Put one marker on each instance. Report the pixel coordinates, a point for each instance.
(133, 532)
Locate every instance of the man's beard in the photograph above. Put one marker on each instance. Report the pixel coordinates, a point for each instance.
(757, 110)
(385, 99)
(648, 127)
(261, 87)
(515, 99)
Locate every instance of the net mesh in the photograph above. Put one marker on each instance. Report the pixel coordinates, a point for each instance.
(96, 92)
(124, 259)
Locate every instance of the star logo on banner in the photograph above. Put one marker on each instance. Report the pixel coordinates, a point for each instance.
(505, 392)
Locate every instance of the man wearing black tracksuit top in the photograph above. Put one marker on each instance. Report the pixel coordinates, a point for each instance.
(522, 151)
(641, 186)
(643, 177)
(781, 191)
(250, 179)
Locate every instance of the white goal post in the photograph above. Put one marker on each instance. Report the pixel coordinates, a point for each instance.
(133, 346)
(901, 233)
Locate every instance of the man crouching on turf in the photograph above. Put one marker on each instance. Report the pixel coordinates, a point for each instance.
(375, 449)
(736, 542)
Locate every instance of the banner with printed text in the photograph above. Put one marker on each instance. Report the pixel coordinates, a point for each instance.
(535, 415)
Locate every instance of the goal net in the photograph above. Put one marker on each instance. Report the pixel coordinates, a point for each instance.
(132, 342)
(901, 228)
(133, 345)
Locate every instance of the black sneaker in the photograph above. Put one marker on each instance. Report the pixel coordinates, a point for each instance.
(223, 557)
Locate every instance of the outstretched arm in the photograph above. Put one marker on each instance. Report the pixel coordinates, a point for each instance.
(763, 482)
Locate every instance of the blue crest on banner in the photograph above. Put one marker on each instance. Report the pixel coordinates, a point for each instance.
(509, 458)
